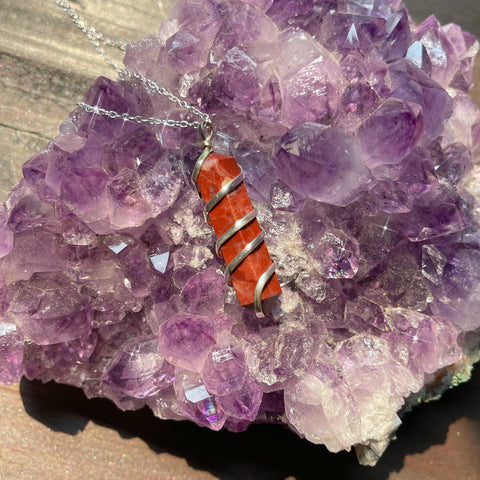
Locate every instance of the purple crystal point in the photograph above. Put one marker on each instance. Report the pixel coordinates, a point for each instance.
(466, 48)
(84, 194)
(419, 173)
(322, 163)
(293, 350)
(186, 52)
(412, 85)
(237, 83)
(196, 402)
(398, 37)
(455, 164)
(359, 146)
(451, 272)
(49, 309)
(373, 71)
(337, 255)
(125, 203)
(257, 168)
(309, 88)
(390, 133)
(242, 26)
(200, 18)
(140, 276)
(439, 49)
(185, 339)
(417, 54)
(431, 341)
(390, 198)
(359, 100)
(225, 370)
(290, 10)
(204, 293)
(243, 404)
(436, 213)
(363, 315)
(327, 410)
(345, 33)
(464, 124)
(137, 369)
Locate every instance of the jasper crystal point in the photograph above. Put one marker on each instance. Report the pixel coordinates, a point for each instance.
(358, 142)
(217, 170)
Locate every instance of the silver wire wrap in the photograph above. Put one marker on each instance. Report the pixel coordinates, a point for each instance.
(206, 134)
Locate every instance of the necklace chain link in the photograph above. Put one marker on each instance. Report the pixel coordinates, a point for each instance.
(138, 118)
(98, 41)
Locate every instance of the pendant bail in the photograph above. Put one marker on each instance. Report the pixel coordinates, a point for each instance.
(206, 132)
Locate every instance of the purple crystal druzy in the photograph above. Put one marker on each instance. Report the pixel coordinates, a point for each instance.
(357, 138)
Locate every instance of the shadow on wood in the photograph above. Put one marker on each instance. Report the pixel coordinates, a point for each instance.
(268, 452)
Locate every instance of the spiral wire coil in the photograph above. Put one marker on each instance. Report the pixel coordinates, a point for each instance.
(206, 133)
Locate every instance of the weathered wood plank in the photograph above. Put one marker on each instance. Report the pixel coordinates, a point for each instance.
(42, 32)
(30, 450)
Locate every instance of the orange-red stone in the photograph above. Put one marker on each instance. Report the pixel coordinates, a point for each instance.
(217, 171)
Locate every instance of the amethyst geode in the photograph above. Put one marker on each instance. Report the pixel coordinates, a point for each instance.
(357, 138)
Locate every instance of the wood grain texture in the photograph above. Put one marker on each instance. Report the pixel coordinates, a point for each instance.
(52, 431)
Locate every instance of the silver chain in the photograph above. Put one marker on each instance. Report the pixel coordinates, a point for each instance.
(138, 118)
(98, 41)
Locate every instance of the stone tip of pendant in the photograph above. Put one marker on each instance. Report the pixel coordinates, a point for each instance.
(245, 279)
(269, 303)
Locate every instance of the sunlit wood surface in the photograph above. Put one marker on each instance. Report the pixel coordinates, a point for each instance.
(53, 432)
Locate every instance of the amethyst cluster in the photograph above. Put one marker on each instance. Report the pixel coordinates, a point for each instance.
(357, 138)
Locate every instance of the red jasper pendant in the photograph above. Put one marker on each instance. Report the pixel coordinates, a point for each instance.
(240, 238)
